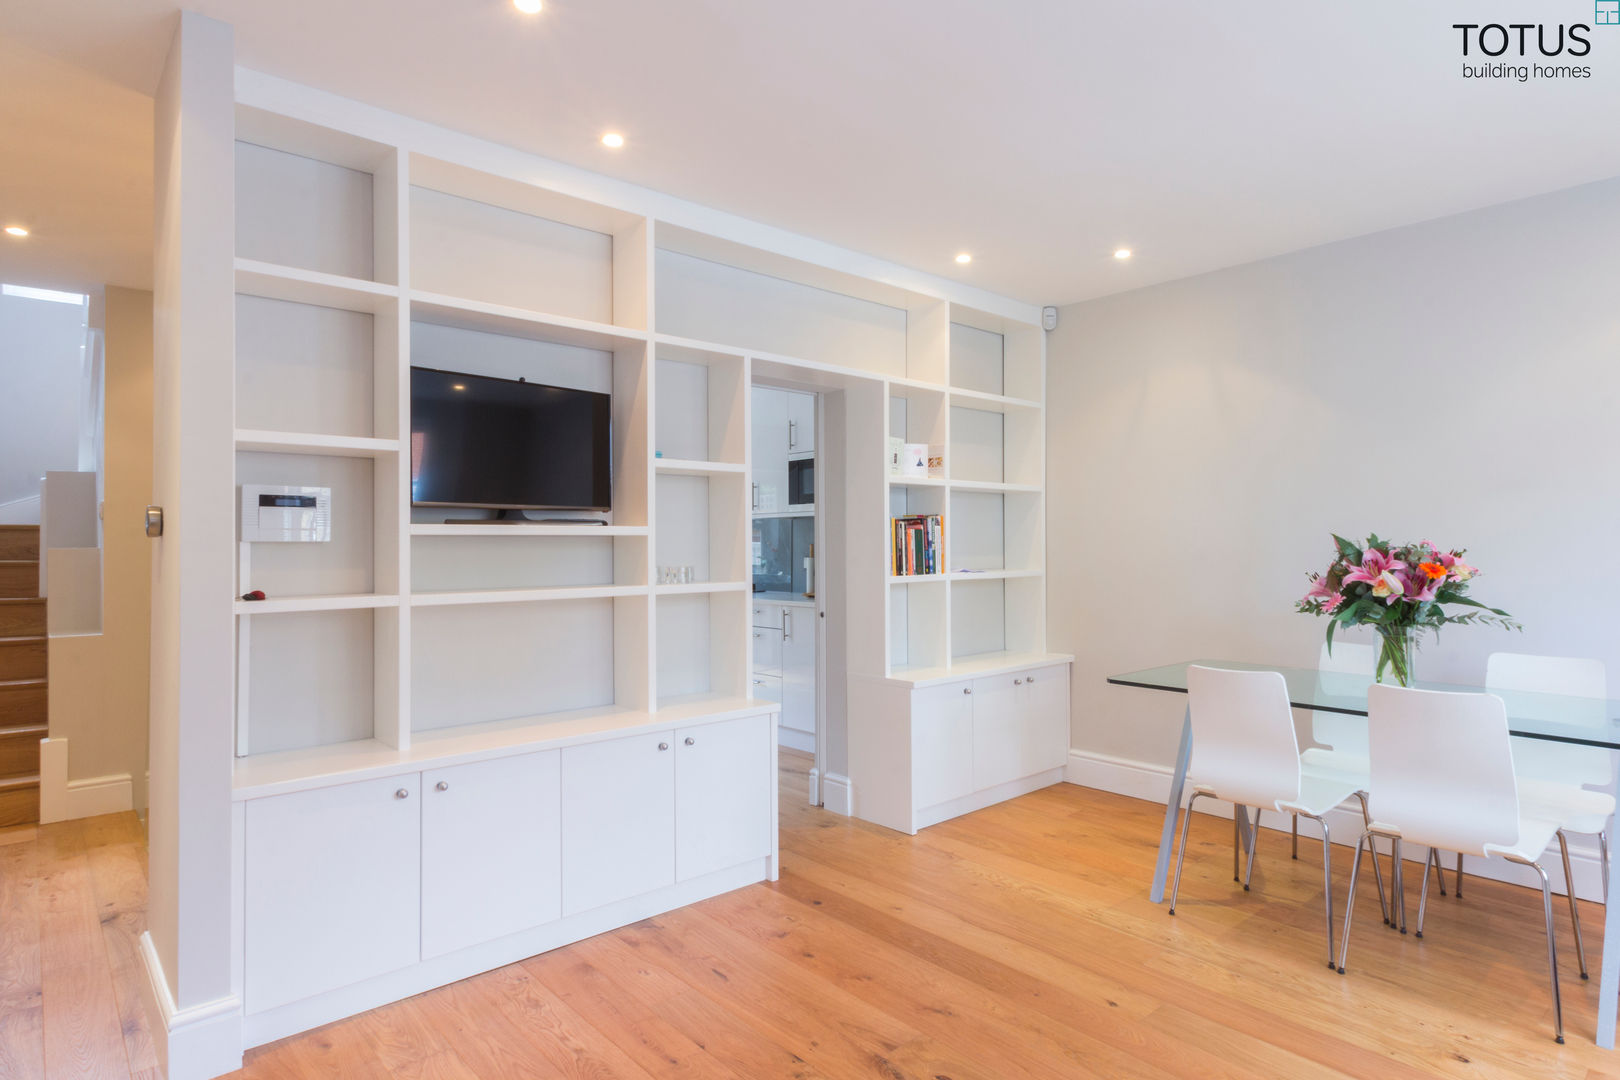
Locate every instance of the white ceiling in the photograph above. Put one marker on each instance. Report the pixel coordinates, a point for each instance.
(76, 170)
(1039, 135)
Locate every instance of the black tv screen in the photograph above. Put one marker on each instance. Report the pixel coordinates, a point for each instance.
(506, 444)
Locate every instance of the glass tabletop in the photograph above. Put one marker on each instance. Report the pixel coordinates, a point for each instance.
(1555, 717)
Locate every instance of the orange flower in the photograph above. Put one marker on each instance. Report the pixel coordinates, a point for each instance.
(1435, 570)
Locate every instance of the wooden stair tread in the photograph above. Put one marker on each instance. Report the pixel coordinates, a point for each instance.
(23, 729)
(15, 783)
(18, 684)
(22, 639)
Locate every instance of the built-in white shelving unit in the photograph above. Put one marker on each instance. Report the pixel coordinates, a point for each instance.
(459, 742)
(357, 259)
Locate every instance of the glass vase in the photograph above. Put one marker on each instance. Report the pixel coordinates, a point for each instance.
(1395, 655)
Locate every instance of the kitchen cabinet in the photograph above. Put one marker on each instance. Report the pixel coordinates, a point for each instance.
(769, 427)
(801, 423)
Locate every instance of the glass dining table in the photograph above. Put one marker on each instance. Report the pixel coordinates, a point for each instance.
(1554, 717)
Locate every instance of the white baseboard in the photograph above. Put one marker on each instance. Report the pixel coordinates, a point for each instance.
(61, 799)
(195, 1043)
(837, 794)
(1151, 782)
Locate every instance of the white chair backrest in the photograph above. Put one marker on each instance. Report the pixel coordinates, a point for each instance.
(1339, 673)
(1244, 748)
(1442, 771)
(1538, 758)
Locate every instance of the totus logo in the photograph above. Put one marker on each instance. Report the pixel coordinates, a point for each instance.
(1525, 51)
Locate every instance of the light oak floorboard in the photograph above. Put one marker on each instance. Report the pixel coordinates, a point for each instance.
(1014, 942)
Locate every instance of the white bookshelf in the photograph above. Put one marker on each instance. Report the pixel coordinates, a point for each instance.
(441, 264)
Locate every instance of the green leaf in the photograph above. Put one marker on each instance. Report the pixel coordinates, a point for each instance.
(1347, 549)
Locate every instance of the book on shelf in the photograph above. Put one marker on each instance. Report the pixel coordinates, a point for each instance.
(918, 544)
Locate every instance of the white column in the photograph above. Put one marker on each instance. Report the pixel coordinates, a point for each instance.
(188, 953)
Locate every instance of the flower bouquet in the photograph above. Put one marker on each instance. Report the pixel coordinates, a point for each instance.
(1399, 592)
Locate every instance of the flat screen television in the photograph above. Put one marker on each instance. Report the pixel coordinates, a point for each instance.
(507, 444)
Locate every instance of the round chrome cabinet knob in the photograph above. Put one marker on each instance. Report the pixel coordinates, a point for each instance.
(663, 746)
(691, 741)
(402, 793)
(442, 785)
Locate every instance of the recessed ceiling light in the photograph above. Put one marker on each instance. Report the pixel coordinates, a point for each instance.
(1122, 254)
(528, 7)
(16, 230)
(457, 386)
(613, 140)
(964, 258)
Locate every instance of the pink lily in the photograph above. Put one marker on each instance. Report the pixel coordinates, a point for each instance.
(1320, 590)
(1378, 570)
(1417, 587)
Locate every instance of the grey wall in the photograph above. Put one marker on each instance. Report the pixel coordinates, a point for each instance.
(1457, 381)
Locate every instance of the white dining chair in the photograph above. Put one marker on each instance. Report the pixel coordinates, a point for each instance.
(1343, 671)
(1555, 779)
(1442, 776)
(1244, 751)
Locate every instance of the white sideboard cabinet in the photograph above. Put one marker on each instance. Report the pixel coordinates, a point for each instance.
(931, 748)
(360, 889)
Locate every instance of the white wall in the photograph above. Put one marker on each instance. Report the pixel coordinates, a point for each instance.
(41, 368)
(1456, 381)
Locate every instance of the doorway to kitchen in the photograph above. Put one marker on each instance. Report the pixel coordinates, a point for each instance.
(788, 642)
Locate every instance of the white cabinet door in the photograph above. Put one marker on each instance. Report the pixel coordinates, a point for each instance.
(767, 687)
(941, 744)
(491, 850)
(766, 615)
(998, 736)
(333, 888)
(769, 443)
(798, 665)
(723, 783)
(618, 822)
(767, 650)
(1046, 718)
(801, 423)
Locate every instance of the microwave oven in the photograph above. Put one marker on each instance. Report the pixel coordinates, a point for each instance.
(802, 482)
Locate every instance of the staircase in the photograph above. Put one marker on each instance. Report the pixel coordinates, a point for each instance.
(22, 674)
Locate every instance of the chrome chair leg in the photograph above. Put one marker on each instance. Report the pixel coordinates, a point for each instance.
(1603, 857)
(1186, 824)
(1574, 908)
(1295, 852)
(1399, 920)
(1457, 892)
(1327, 881)
(1372, 848)
(1350, 900)
(1423, 893)
(1254, 842)
(1237, 834)
(1552, 948)
(1439, 878)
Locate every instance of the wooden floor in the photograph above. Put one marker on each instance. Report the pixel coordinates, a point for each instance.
(1017, 942)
